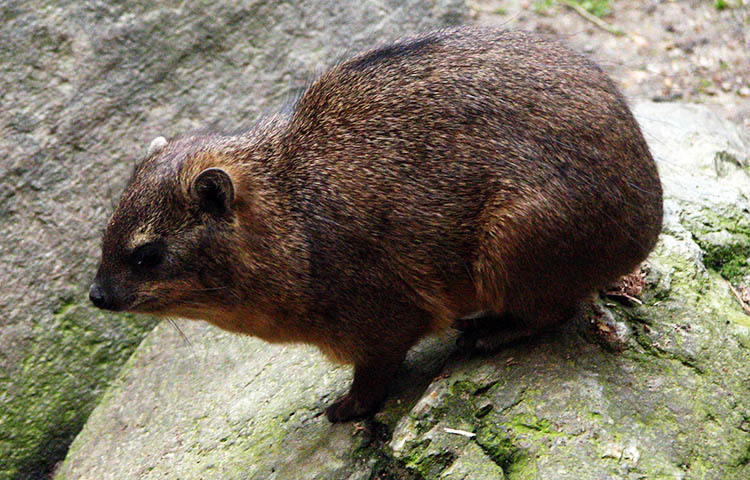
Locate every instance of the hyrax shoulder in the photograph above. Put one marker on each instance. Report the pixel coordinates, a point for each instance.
(460, 171)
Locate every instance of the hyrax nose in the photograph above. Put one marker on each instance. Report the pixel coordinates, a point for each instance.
(96, 294)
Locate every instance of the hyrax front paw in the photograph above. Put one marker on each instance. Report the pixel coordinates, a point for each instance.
(349, 407)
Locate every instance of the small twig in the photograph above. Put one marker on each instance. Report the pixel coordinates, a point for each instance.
(736, 294)
(359, 427)
(460, 432)
(592, 18)
(624, 295)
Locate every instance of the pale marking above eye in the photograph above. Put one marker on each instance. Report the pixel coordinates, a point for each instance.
(141, 236)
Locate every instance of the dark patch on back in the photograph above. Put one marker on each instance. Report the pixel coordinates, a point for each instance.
(391, 52)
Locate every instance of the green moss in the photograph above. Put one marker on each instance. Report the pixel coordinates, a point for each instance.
(542, 6)
(598, 8)
(652, 349)
(470, 388)
(724, 238)
(699, 291)
(461, 387)
(430, 465)
(530, 423)
(387, 468)
(736, 221)
(727, 4)
(744, 459)
(731, 261)
(501, 450)
(66, 305)
(48, 400)
(394, 409)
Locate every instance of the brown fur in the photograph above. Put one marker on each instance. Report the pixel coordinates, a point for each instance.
(458, 171)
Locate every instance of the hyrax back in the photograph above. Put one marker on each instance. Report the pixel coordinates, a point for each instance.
(461, 171)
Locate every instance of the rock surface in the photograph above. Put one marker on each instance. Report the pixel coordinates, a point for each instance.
(85, 86)
(651, 390)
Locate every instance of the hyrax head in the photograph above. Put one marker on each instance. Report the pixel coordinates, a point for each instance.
(166, 248)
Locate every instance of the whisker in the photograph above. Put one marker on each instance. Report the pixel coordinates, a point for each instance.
(182, 334)
(207, 289)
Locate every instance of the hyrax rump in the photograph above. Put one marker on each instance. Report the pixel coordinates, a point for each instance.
(460, 171)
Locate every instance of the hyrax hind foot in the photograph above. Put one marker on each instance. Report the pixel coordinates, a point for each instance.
(489, 332)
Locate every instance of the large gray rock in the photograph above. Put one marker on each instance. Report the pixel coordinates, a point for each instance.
(85, 85)
(658, 390)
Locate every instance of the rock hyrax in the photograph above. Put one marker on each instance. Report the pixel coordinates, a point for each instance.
(460, 171)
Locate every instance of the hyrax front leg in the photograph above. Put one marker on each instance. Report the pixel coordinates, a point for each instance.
(388, 329)
(368, 390)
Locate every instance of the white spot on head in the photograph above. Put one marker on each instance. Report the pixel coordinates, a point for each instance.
(141, 236)
(157, 144)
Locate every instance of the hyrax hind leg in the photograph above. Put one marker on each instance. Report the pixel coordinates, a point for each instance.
(521, 275)
(489, 331)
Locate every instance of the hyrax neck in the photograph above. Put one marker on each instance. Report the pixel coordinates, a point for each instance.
(269, 254)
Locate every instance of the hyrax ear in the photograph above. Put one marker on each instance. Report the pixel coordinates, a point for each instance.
(213, 191)
(157, 144)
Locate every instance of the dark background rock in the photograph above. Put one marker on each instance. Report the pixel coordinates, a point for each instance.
(84, 87)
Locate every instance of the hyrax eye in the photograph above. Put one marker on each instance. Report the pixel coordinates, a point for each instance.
(147, 256)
